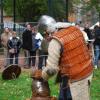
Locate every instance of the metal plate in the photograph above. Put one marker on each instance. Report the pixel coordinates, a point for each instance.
(11, 72)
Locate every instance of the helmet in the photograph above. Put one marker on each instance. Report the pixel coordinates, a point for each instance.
(47, 23)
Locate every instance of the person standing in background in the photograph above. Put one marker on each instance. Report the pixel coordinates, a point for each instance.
(96, 45)
(14, 44)
(27, 43)
(4, 39)
(88, 31)
(33, 51)
(44, 47)
(39, 38)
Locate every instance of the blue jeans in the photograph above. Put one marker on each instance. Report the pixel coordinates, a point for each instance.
(65, 93)
(97, 54)
(40, 64)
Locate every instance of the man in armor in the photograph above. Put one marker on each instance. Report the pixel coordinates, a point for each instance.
(69, 57)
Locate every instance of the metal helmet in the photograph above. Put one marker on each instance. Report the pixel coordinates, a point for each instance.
(47, 23)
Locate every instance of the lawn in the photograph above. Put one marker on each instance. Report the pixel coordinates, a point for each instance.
(20, 89)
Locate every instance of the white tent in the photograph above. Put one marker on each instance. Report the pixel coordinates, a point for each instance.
(92, 27)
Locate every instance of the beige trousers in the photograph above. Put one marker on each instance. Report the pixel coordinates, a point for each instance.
(80, 90)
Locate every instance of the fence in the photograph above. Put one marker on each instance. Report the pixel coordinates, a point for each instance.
(18, 27)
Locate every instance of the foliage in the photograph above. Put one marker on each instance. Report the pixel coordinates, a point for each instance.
(91, 5)
(58, 9)
(30, 10)
(26, 10)
(8, 7)
(95, 4)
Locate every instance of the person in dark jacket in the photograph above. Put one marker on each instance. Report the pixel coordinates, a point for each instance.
(88, 31)
(14, 45)
(35, 47)
(97, 45)
(27, 43)
(90, 40)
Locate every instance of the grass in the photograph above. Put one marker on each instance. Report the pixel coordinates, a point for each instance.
(95, 86)
(20, 89)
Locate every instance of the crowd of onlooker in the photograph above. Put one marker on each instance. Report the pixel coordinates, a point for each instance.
(35, 44)
(94, 43)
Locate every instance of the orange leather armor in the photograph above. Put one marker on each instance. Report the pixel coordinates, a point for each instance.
(75, 59)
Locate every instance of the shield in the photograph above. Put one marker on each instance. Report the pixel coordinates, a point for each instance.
(11, 72)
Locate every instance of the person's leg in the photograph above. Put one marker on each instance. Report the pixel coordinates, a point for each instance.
(40, 64)
(29, 59)
(16, 58)
(99, 58)
(97, 52)
(80, 89)
(11, 58)
(6, 55)
(33, 53)
(45, 58)
(65, 92)
(61, 97)
(26, 53)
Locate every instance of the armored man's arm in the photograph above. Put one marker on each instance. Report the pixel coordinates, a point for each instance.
(52, 66)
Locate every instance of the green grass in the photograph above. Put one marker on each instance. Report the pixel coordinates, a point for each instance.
(95, 86)
(20, 89)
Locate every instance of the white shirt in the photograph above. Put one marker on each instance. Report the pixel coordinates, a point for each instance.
(40, 37)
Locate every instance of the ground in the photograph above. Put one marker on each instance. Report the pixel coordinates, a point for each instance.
(20, 89)
(21, 63)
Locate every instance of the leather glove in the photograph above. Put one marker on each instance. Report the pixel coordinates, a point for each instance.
(37, 74)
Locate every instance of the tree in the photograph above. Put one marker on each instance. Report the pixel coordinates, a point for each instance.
(31, 10)
(59, 8)
(93, 6)
(26, 10)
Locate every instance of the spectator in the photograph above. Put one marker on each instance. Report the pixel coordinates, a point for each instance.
(14, 45)
(39, 37)
(88, 31)
(4, 39)
(90, 40)
(44, 47)
(34, 49)
(97, 45)
(27, 42)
